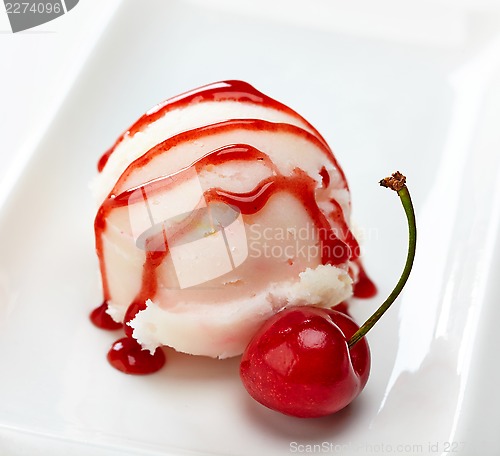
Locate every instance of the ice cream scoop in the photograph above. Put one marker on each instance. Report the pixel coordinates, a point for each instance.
(218, 209)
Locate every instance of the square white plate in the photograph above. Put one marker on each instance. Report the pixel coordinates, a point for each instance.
(398, 90)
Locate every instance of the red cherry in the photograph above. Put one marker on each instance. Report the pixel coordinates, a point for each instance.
(309, 361)
(299, 362)
(360, 352)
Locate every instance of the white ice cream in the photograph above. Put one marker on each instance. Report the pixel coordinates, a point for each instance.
(217, 285)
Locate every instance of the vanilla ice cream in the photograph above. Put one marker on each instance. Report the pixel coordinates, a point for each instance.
(218, 208)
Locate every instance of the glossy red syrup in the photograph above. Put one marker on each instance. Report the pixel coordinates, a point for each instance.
(337, 215)
(325, 177)
(232, 90)
(333, 250)
(102, 319)
(239, 126)
(128, 356)
(336, 247)
(364, 287)
(342, 307)
(104, 158)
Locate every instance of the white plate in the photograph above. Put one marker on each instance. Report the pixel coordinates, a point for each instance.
(385, 98)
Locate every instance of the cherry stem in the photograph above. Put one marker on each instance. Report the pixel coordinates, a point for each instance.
(397, 183)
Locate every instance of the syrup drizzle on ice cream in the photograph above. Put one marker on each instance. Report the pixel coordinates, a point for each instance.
(337, 245)
(233, 90)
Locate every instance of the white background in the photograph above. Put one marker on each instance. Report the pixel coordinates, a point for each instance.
(38, 68)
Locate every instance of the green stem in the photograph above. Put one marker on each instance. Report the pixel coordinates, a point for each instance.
(396, 183)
